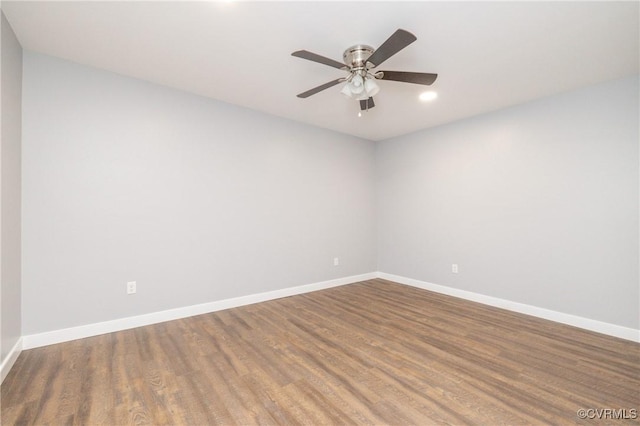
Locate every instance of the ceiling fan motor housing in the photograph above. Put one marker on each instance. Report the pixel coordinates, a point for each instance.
(356, 56)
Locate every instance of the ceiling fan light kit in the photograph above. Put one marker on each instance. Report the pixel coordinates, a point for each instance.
(360, 88)
(359, 61)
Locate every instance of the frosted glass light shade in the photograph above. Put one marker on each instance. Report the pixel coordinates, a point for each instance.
(357, 84)
(371, 87)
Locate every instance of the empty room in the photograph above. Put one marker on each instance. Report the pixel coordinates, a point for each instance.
(261, 213)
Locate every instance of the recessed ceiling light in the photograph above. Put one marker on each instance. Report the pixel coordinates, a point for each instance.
(428, 96)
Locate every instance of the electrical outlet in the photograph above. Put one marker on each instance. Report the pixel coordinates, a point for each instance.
(336, 261)
(454, 268)
(131, 287)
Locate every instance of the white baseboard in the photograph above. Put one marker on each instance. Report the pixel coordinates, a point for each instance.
(576, 321)
(79, 332)
(73, 333)
(10, 359)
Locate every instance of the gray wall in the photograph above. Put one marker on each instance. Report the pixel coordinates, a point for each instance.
(194, 199)
(537, 204)
(11, 94)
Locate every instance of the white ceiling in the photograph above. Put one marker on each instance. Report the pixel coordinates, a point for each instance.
(489, 55)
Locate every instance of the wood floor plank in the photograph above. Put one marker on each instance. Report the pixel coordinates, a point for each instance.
(369, 353)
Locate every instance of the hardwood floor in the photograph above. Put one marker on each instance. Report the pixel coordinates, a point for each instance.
(374, 352)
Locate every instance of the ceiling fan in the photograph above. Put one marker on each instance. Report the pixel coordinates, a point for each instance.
(359, 62)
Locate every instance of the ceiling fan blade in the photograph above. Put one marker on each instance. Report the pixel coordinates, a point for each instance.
(398, 41)
(366, 104)
(304, 54)
(410, 77)
(320, 88)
